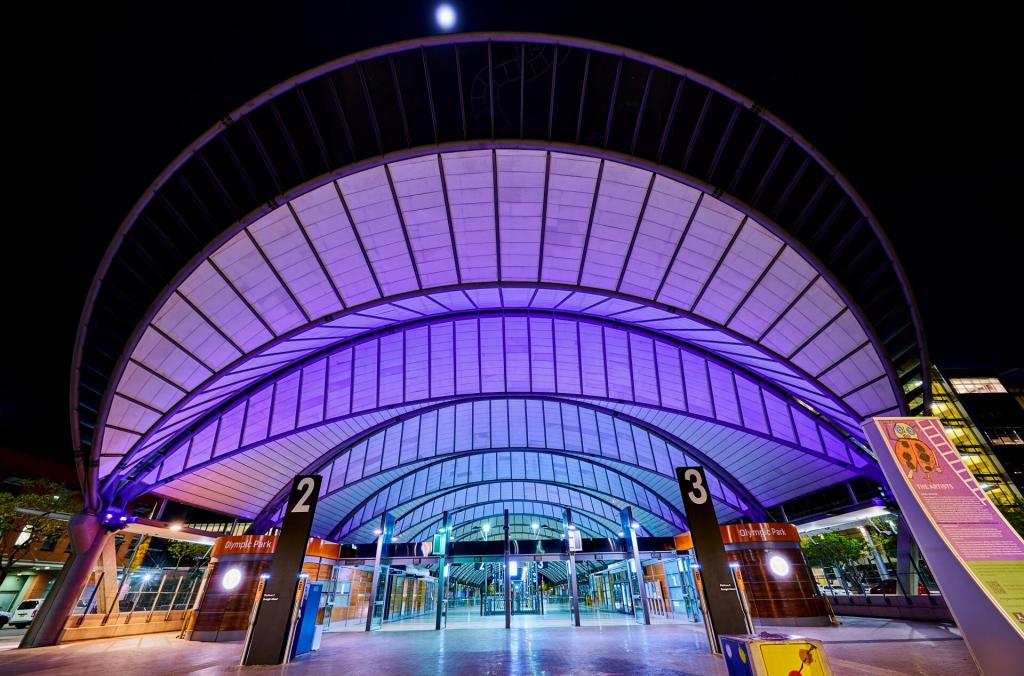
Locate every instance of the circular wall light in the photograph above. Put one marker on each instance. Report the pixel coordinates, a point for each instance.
(231, 579)
(778, 565)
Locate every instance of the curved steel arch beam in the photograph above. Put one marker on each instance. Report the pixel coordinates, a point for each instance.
(142, 467)
(870, 470)
(193, 149)
(542, 520)
(311, 74)
(425, 525)
(755, 510)
(293, 366)
(663, 500)
(641, 514)
(760, 218)
(593, 492)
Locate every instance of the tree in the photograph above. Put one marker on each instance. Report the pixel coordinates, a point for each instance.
(832, 548)
(27, 519)
(839, 551)
(187, 551)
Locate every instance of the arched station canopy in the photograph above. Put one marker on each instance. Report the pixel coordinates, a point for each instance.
(475, 270)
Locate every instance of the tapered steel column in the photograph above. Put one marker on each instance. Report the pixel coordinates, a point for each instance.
(88, 538)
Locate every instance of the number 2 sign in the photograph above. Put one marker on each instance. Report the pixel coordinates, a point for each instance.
(268, 638)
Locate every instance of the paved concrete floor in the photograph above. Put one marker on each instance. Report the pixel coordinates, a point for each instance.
(859, 648)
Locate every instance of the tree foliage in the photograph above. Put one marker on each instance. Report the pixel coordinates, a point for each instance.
(831, 548)
(26, 519)
(187, 551)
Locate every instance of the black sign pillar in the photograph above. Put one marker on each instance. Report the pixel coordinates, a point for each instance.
(274, 616)
(724, 614)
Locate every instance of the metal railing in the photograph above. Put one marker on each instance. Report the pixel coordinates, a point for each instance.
(148, 596)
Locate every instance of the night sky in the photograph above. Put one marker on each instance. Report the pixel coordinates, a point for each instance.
(916, 109)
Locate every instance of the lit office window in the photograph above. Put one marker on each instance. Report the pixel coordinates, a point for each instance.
(977, 385)
(1005, 437)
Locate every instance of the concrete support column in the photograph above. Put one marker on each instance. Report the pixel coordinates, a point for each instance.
(88, 538)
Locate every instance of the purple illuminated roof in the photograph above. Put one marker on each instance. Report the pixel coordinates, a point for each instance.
(466, 329)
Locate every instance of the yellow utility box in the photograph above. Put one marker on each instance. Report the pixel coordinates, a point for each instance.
(767, 654)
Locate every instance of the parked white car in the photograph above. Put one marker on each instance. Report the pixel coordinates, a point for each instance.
(26, 612)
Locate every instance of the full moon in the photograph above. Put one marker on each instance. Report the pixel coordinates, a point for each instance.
(445, 17)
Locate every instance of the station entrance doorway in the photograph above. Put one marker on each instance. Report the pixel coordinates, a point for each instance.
(473, 592)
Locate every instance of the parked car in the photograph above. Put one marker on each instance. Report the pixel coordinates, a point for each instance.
(832, 588)
(5, 617)
(26, 612)
(890, 586)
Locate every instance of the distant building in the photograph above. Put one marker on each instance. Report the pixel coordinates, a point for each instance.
(994, 400)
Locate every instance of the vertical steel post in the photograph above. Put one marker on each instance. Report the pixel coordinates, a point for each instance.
(573, 589)
(508, 579)
(174, 598)
(387, 523)
(156, 599)
(442, 578)
(626, 516)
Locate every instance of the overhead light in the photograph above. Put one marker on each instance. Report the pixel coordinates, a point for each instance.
(535, 525)
(486, 528)
(445, 17)
(174, 526)
(377, 531)
(634, 526)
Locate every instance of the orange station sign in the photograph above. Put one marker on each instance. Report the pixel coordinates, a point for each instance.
(265, 544)
(747, 532)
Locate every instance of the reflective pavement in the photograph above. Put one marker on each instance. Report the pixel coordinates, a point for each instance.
(861, 647)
